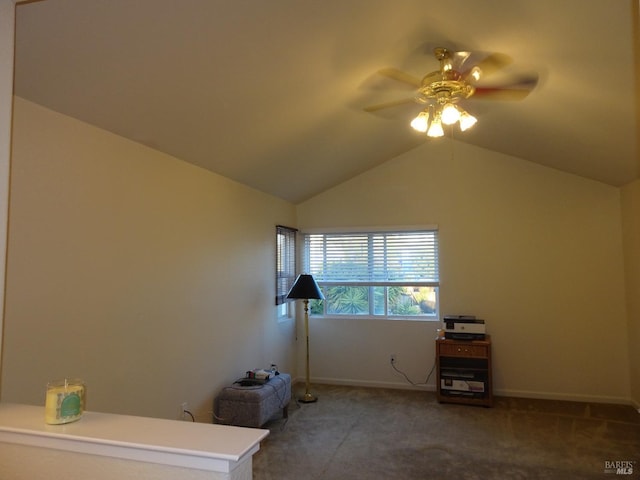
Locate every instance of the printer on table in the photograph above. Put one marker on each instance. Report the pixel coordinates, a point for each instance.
(463, 327)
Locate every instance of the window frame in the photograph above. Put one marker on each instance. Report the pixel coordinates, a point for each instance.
(285, 266)
(371, 284)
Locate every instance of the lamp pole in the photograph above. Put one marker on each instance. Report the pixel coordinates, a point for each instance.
(307, 398)
(304, 288)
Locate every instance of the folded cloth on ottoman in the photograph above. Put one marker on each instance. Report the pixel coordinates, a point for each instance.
(253, 406)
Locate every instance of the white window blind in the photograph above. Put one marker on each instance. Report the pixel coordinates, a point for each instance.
(373, 257)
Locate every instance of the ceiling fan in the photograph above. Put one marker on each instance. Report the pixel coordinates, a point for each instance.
(458, 78)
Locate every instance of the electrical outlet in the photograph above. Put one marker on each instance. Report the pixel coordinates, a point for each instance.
(181, 409)
(392, 358)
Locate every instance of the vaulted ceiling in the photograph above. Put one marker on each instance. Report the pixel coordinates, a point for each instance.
(271, 92)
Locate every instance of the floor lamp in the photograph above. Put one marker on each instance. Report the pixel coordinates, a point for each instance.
(305, 288)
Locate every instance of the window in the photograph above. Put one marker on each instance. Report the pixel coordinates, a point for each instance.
(285, 264)
(375, 274)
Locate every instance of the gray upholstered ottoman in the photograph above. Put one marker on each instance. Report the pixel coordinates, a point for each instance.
(252, 406)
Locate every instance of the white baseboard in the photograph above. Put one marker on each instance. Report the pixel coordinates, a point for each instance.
(503, 392)
(374, 384)
(571, 397)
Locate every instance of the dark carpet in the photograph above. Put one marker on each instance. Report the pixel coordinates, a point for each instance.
(370, 433)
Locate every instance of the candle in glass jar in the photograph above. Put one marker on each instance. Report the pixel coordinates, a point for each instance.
(64, 402)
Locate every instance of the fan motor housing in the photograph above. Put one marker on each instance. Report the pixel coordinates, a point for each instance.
(444, 90)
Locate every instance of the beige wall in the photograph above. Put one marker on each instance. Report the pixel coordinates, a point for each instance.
(631, 233)
(535, 252)
(115, 253)
(148, 277)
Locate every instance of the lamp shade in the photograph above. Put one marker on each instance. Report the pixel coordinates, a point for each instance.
(305, 287)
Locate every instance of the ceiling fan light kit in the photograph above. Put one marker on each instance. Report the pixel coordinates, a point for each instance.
(421, 122)
(467, 121)
(450, 114)
(435, 129)
(441, 90)
(447, 114)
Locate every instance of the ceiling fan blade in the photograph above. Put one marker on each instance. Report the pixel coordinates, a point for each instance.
(517, 89)
(500, 93)
(487, 65)
(401, 76)
(393, 103)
